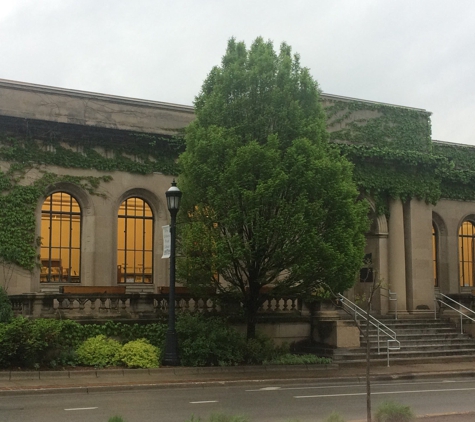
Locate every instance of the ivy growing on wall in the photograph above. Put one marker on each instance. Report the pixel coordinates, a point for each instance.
(141, 154)
(394, 156)
(18, 203)
(379, 125)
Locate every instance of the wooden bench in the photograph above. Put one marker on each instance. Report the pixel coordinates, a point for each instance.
(180, 290)
(92, 289)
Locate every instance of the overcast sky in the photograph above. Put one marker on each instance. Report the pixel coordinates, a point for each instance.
(416, 53)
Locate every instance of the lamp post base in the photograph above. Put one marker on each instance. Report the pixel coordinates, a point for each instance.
(170, 357)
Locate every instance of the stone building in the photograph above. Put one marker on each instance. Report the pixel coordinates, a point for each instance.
(92, 171)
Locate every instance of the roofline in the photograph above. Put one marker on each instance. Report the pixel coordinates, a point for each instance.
(340, 97)
(435, 141)
(45, 89)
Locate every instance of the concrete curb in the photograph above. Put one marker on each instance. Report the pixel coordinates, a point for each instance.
(117, 386)
(178, 371)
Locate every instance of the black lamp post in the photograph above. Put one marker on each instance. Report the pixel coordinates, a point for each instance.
(171, 345)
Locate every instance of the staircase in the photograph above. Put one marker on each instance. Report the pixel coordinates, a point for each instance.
(422, 341)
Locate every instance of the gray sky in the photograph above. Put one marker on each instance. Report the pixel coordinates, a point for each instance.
(417, 53)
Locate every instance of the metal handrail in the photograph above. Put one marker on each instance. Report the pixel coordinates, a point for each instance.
(393, 297)
(454, 309)
(385, 330)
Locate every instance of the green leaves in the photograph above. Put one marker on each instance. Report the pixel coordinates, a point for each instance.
(267, 201)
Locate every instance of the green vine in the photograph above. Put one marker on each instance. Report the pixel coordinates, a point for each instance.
(18, 203)
(134, 153)
(379, 125)
(394, 157)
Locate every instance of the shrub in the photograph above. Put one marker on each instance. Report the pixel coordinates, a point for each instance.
(6, 312)
(207, 341)
(334, 417)
(394, 412)
(290, 359)
(116, 419)
(99, 351)
(262, 349)
(28, 343)
(139, 354)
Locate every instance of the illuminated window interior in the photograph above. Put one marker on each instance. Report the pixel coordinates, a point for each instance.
(135, 242)
(60, 239)
(466, 250)
(435, 240)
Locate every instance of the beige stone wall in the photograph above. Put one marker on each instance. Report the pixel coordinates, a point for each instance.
(99, 228)
(418, 243)
(29, 101)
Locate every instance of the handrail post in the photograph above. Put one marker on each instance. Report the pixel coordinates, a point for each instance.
(461, 323)
(394, 300)
(435, 308)
(378, 337)
(387, 352)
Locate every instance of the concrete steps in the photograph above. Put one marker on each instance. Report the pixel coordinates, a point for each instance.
(422, 341)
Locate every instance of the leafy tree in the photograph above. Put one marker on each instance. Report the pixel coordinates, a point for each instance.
(267, 201)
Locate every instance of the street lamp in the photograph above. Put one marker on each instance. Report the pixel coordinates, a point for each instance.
(171, 344)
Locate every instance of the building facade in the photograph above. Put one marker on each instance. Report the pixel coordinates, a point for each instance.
(84, 176)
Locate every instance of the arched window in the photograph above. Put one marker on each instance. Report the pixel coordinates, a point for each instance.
(466, 251)
(60, 239)
(435, 253)
(135, 242)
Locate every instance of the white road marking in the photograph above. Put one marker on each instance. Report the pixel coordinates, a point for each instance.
(204, 401)
(376, 384)
(82, 408)
(385, 392)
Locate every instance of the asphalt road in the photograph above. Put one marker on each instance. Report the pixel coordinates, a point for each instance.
(270, 403)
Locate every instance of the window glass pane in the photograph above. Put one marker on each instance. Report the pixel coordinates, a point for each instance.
(135, 234)
(466, 251)
(60, 251)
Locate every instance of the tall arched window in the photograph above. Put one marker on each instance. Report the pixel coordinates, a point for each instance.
(60, 239)
(135, 242)
(466, 251)
(435, 253)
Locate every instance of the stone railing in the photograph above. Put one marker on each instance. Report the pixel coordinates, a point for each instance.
(129, 305)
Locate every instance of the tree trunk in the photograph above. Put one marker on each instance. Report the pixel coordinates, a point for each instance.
(252, 306)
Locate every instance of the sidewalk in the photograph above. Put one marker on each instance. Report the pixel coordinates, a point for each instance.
(85, 381)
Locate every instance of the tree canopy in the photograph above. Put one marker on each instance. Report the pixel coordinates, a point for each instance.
(267, 200)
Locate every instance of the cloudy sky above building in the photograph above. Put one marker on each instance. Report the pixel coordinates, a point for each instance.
(416, 53)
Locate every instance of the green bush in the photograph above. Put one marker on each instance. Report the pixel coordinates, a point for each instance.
(262, 349)
(290, 359)
(99, 351)
(139, 354)
(28, 343)
(116, 419)
(6, 312)
(52, 343)
(394, 412)
(208, 341)
(334, 417)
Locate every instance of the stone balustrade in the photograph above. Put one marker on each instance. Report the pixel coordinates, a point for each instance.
(83, 306)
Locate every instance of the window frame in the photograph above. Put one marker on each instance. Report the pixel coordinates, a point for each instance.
(139, 275)
(52, 269)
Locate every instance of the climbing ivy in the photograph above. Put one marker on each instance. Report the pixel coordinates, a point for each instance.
(142, 154)
(18, 203)
(378, 125)
(394, 157)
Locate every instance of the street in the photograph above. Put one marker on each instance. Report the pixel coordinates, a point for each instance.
(260, 402)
